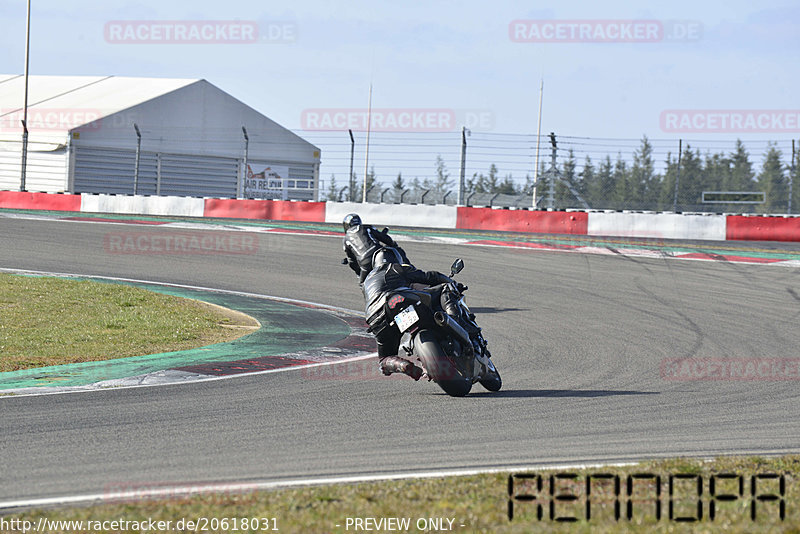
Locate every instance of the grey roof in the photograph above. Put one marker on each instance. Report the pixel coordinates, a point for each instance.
(58, 104)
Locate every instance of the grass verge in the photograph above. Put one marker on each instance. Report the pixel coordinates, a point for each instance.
(52, 321)
(682, 490)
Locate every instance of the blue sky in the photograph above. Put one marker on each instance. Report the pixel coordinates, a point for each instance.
(455, 56)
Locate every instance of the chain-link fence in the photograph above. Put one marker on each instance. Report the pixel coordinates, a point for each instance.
(700, 175)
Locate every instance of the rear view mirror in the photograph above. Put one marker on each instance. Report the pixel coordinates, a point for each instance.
(456, 268)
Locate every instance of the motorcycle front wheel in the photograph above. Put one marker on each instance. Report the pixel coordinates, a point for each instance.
(491, 380)
(440, 367)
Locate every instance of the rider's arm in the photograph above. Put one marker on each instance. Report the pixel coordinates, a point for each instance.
(352, 262)
(430, 278)
(382, 237)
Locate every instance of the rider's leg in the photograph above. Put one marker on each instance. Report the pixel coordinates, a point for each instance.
(388, 343)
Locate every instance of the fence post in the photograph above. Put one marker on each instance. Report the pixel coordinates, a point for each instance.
(244, 165)
(463, 170)
(551, 186)
(678, 176)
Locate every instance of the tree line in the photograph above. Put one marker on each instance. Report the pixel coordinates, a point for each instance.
(634, 185)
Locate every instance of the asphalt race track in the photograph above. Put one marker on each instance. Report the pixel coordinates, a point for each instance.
(580, 341)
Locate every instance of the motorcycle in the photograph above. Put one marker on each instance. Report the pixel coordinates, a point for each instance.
(452, 355)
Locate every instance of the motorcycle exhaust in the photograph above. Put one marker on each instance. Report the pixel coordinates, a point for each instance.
(449, 324)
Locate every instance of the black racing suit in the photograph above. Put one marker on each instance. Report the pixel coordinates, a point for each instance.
(360, 244)
(384, 280)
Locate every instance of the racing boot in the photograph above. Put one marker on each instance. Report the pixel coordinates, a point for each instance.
(395, 364)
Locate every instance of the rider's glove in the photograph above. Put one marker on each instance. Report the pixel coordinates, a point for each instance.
(461, 287)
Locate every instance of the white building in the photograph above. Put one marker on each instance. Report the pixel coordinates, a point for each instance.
(83, 139)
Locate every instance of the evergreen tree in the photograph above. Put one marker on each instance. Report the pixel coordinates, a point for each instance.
(399, 186)
(741, 176)
(692, 180)
(621, 189)
(564, 198)
(772, 182)
(666, 198)
(360, 185)
(443, 182)
(333, 192)
(601, 191)
(492, 181)
(585, 179)
(507, 187)
(643, 180)
(717, 170)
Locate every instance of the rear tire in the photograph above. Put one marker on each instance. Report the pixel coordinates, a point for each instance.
(440, 367)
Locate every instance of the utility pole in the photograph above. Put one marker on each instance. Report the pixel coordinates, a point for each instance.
(791, 176)
(351, 193)
(25, 105)
(366, 152)
(538, 138)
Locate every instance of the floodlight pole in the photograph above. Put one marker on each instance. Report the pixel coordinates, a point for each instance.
(538, 138)
(136, 164)
(25, 106)
(791, 176)
(366, 152)
(244, 170)
(351, 193)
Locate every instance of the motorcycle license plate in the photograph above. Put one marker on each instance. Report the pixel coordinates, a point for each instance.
(406, 318)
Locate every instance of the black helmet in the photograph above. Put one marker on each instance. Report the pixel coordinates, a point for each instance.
(386, 255)
(351, 219)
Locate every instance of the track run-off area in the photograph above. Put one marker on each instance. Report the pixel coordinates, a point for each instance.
(613, 354)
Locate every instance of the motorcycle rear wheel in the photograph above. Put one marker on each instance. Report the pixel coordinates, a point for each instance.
(440, 367)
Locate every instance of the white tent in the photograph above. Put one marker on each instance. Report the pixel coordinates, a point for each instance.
(190, 142)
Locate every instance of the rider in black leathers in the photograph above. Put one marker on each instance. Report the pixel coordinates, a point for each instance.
(361, 242)
(388, 275)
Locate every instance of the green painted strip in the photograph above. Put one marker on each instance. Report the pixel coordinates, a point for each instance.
(284, 328)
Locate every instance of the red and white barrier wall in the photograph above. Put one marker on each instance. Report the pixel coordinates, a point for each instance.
(593, 223)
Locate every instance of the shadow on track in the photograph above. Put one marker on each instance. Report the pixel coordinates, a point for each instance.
(578, 393)
(490, 309)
